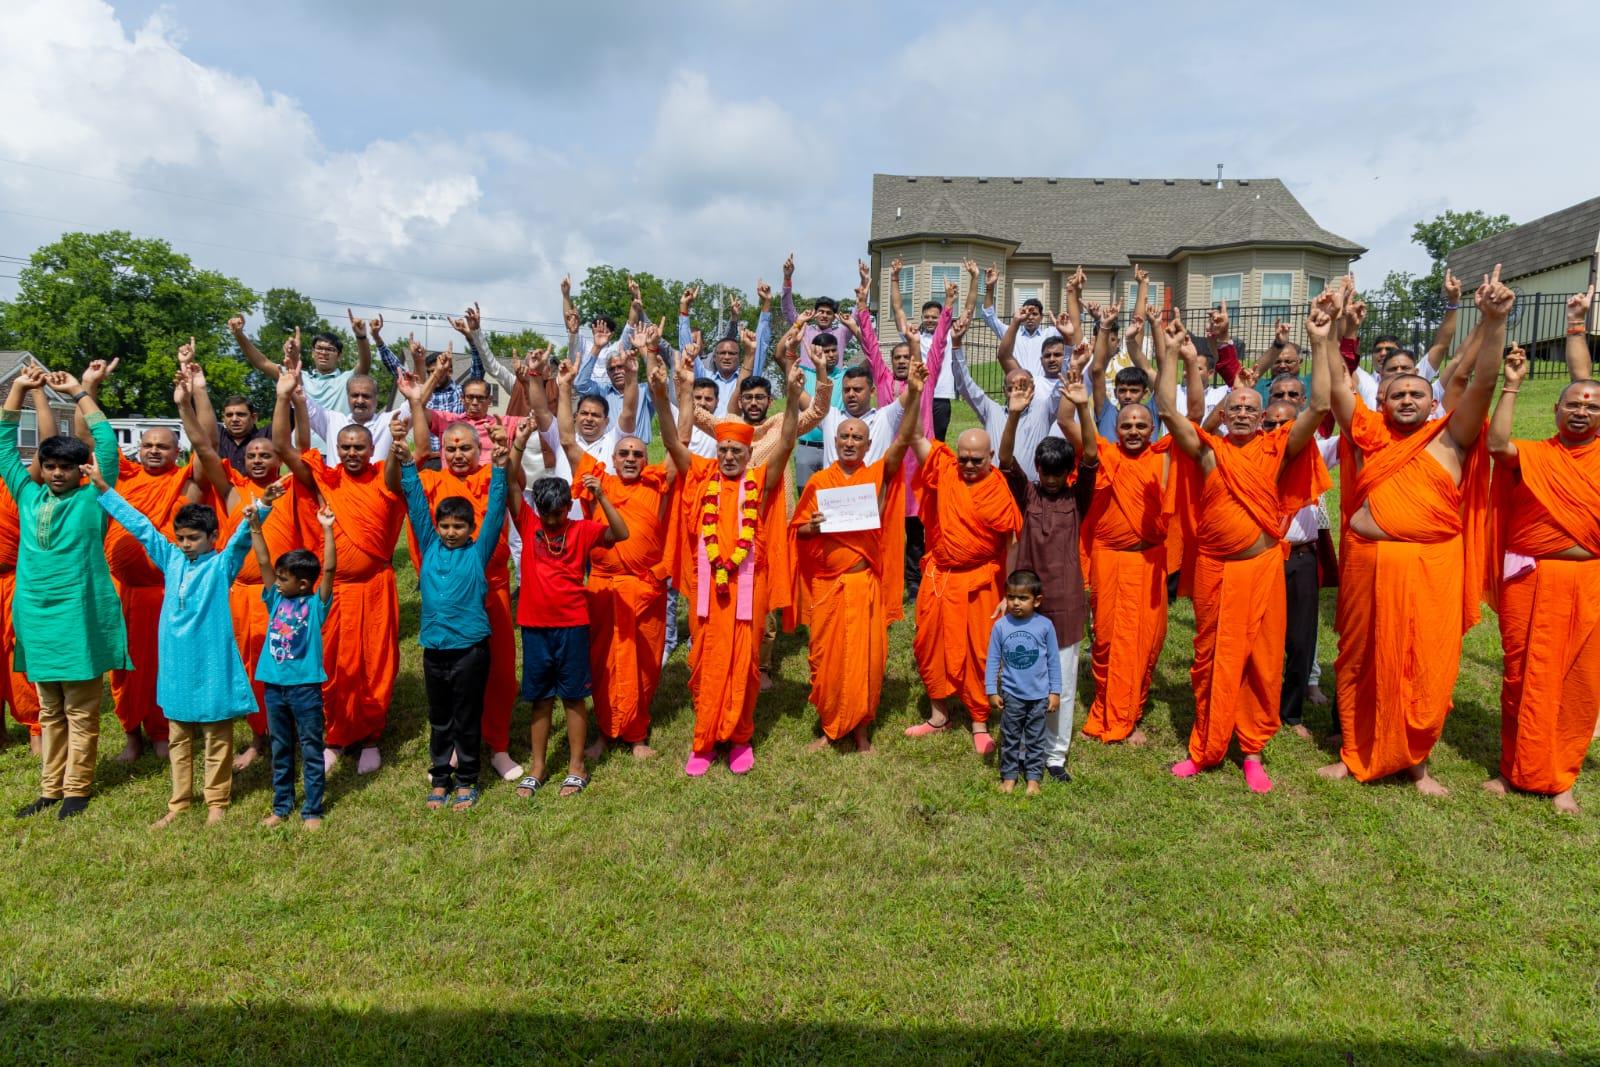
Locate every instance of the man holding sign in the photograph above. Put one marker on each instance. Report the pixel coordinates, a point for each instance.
(850, 552)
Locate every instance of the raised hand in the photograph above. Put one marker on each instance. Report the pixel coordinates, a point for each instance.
(180, 388)
(1280, 334)
(1246, 377)
(735, 307)
(519, 440)
(1187, 351)
(63, 382)
(951, 292)
(32, 377)
(763, 291)
(1134, 334)
(357, 326)
(1494, 299)
(186, 353)
(415, 349)
(1082, 352)
(291, 350)
(409, 386)
(325, 517)
(917, 376)
(1319, 324)
(1076, 392)
(1516, 367)
(796, 385)
(567, 373)
(1020, 398)
(1108, 314)
(500, 456)
(804, 317)
(691, 351)
(658, 376)
(399, 451)
(1077, 280)
(896, 266)
(1066, 327)
(288, 382)
(91, 471)
(377, 326)
(566, 287)
(1451, 287)
(95, 373)
(788, 268)
(275, 490)
(991, 276)
(1217, 326)
(474, 317)
(959, 328)
(1141, 275)
(861, 295)
(570, 318)
(687, 298)
(236, 325)
(591, 483)
(865, 272)
(1578, 307)
(633, 290)
(538, 365)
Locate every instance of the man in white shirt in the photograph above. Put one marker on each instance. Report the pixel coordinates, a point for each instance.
(1037, 423)
(882, 423)
(361, 393)
(1032, 329)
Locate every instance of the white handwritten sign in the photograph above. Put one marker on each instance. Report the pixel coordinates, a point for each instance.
(850, 507)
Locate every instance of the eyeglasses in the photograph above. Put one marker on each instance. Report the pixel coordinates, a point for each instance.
(1270, 424)
(972, 461)
(632, 453)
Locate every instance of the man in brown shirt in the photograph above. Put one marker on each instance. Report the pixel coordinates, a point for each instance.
(1048, 544)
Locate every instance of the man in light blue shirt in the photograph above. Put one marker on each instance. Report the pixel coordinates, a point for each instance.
(323, 381)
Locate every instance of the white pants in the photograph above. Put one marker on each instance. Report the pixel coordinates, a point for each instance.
(1058, 724)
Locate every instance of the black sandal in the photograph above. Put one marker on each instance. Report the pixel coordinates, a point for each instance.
(531, 784)
(575, 782)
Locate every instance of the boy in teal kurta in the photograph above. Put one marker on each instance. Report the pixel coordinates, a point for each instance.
(203, 685)
(67, 617)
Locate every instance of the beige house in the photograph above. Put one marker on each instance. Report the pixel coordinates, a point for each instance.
(1545, 261)
(1244, 241)
(62, 407)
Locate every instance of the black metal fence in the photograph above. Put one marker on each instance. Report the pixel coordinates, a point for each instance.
(1538, 323)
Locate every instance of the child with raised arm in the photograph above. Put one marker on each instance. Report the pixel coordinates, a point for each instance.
(202, 686)
(1023, 680)
(290, 667)
(453, 581)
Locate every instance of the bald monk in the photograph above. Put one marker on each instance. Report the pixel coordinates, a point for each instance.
(361, 635)
(16, 691)
(732, 566)
(1546, 577)
(157, 486)
(1412, 566)
(231, 492)
(463, 472)
(1252, 483)
(970, 519)
(628, 579)
(854, 578)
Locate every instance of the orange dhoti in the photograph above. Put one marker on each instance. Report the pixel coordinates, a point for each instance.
(726, 621)
(1239, 621)
(1128, 595)
(1405, 603)
(15, 689)
(249, 613)
(627, 637)
(1546, 503)
(969, 529)
(852, 581)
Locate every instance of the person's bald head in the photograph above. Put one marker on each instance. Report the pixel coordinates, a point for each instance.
(1135, 428)
(1277, 413)
(629, 458)
(851, 439)
(974, 453)
(459, 449)
(1406, 400)
(158, 449)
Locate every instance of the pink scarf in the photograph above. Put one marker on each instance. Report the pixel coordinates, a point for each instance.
(744, 607)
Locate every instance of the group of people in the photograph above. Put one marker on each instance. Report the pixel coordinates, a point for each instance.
(255, 580)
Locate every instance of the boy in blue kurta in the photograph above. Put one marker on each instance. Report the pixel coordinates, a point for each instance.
(203, 685)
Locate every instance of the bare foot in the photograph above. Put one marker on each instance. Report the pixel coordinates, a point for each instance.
(595, 750)
(1007, 785)
(161, 749)
(1084, 735)
(436, 797)
(1334, 771)
(214, 816)
(1137, 738)
(1033, 788)
(863, 739)
(313, 823)
(1426, 784)
(165, 821)
(766, 680)
(131, 750)
(270, 821)
(1495, 785)
(642, 751)
(253, 751)
(1316, 697)
(1565, 803)
(1301, 730)
(820, 744)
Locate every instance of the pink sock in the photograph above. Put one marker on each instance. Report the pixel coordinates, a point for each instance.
(699, 763)
(1186, 769)
(741, 758)
(1255, 776)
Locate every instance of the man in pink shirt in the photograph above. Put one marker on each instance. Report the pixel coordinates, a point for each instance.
(475, 398)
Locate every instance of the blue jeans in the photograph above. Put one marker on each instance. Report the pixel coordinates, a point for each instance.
(1022, 738)
(292, 710)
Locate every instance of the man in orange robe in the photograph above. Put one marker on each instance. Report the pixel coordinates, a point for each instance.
(627, 580)
(733, 567)
(1545, 572)
(969, 519)
(1251, 485)
(361, 635)
(1413, 562)
(853, 579)
(157, 486)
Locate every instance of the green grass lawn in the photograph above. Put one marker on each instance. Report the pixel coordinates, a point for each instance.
(827, 907)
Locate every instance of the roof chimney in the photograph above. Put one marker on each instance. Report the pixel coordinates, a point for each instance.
(1219, 175)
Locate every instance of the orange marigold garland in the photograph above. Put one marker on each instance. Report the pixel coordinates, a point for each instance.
(710, 512)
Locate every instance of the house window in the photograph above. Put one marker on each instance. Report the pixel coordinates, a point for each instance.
(1131, 294)
(1022, 292)
(1276, 285)
(1228, 289)
(28, 429)
(941, 276)
(906, 280)
(1315, 286)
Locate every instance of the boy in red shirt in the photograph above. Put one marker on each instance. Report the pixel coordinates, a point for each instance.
(553, 610)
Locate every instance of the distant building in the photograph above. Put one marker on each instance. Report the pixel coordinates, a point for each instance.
(1547, 260)
(12, 362)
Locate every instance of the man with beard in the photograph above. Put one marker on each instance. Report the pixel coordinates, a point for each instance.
(361, 634)
(1413, 559)
(853, 578)
(1250, 485)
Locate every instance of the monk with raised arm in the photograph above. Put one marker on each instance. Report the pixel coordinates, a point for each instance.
(361, 635)
(733, 567)
(1252, 483)
(970, 519)
(1545, 574)
(853, 578)
(1413, 563)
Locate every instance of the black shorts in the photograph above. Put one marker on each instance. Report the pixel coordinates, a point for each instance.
(555, 663)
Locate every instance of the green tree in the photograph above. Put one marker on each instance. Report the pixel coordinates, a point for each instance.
(110, 296)
(282, 312)
(1444, 234)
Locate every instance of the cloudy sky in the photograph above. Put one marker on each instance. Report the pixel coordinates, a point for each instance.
(416, 154)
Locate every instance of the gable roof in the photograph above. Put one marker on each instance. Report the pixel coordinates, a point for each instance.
(13, 360)
(1097, 222)
(1554, 240)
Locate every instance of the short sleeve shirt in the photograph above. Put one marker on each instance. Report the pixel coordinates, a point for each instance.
(292, 653)
(553, 573)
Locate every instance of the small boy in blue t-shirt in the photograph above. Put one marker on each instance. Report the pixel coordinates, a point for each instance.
(1023, 680)
(291, 664)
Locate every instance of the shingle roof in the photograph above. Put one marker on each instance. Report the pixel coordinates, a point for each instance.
(1098, 222)
(11, 360)
(1555, 240)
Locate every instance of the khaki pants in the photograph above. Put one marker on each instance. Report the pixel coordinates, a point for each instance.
(69, 736)
(218, 767)
(769, 637)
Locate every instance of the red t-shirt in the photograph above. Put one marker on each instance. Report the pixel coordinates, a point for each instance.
(552, 591)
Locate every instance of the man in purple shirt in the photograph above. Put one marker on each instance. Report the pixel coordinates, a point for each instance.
(826, 321)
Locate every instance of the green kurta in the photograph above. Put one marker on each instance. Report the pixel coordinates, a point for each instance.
(67, 616)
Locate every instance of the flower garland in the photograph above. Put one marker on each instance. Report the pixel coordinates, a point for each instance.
(710, 512)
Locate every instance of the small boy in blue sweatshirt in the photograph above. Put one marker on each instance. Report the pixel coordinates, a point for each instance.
(453, 580)
(1023, 680)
